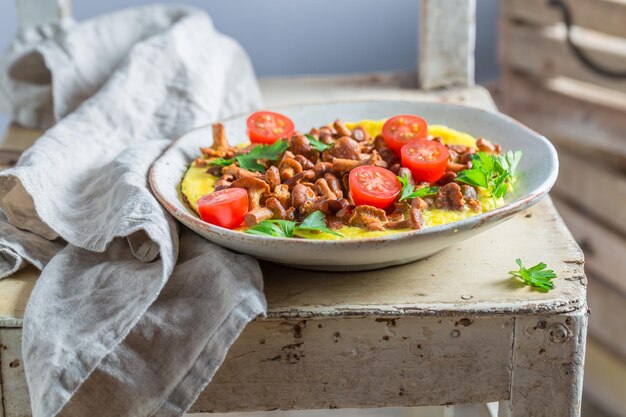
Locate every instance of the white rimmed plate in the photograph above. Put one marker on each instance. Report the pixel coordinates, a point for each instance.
(539, 168)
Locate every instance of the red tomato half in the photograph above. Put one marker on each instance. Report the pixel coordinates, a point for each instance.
(268, 127)
(224, 208)
(374, 186)
(426, 159)
(402, 129)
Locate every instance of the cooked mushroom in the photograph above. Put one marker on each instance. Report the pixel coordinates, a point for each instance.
(220, 143)
(405, 172)
(334, 184)
(359, 134)
(379, 143)
(282, 194)
(326, 135)
(324, 189)
(469, 192)
(417, 220)
(398, 224)
(341, 165)
(322, 168)
(455, 167)
(345, 148)
(238, 172)
(486, 146)
(273, 204)
(321, 204)
(368, 217)
(300, 145)
(257, 215)
(307, 175)
(341, 128)
(290, 214)
(272, 177)
(449, 197)
(304, 162)
(345, 213)
(288, 168)
(419, 203)
(255, 187)
(447, 178)
(301, 196)
(221, 184)
(335, 205)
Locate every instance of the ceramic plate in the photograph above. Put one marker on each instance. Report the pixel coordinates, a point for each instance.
(538, 168)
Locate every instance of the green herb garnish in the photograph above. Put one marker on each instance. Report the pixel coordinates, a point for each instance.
(537, 276)
(409, 191)
(276, 228)
(249, 160)
(286, 228)
(223, 162)
(494, 173)
(316, 144)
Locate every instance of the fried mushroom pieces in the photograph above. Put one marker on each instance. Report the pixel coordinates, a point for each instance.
(304, 180)
(368, 217)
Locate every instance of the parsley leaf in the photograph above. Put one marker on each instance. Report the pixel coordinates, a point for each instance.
(315, 222)
(537, 276)
(409, 191)
(286, 228)
(316, 144)
(249, 160)
(223, 162)
(495, 173)
(269, 228)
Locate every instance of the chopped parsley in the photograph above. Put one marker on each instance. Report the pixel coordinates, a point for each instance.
(409, 191)
(249, 160)
(317, 144)
(494, 173)
(537, 276)
(286, 228)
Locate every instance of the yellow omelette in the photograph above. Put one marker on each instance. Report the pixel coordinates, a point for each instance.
(197, 183)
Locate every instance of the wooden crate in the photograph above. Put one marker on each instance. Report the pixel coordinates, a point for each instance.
(545, 86)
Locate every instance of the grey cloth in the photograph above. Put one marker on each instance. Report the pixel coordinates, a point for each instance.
(127, 318)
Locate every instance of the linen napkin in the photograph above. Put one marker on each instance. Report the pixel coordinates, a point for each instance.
(127, 318)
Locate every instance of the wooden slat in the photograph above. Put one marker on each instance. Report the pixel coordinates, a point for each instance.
(330, 363)
(544, 54)
(605, 250)
(548, 356)
(607, 323)
(607, 16)
(14, 389)
(586, 125)
(593, 187)
(18, 139)
(605, 374)
(447, 55)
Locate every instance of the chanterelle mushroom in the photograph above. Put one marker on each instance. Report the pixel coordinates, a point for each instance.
(368, 217)
(255, 188)
(289, 167)
(220, 143)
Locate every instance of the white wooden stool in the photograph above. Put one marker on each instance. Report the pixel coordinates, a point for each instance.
(451, 329)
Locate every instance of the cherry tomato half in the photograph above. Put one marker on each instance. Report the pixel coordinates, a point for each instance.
(427, 159)
(402, 129)
(268, 127)
(374, 186)
(224, 208)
